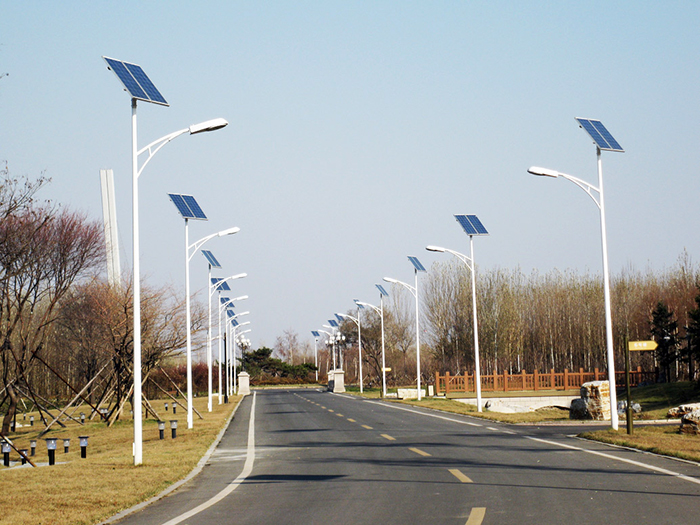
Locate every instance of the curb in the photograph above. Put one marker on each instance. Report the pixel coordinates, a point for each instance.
(196, 470)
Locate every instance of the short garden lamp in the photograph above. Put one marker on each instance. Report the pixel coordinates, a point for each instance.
(51, 447)
(32, 446)
(5, 453)
(173, 428)
(174, 407)
(31, 421)
(83, 446)
(82, 418)
(166, 407)
(161, 429)
(66, 445)
(23, 455)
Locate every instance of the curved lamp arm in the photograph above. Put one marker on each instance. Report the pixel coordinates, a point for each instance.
(585, 186)
(410, 288)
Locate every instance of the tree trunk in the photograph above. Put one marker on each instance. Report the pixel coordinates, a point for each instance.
(7, 420)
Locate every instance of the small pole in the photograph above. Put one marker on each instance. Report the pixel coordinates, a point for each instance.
(83, 446)
(51, 447)
(161, 429)
(5, 453)
(32, 445)
(173, 428)
(174, 407)
(66, 445)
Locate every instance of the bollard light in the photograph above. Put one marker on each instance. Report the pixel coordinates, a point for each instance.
(166, 407)
(51, 447)
(66, 445)
(32, 445)
(174, 407)
(173, 428)
(23, 454)
(5, 453)
(161, 429)
(31, 421)
(82, 418)
(83, 446)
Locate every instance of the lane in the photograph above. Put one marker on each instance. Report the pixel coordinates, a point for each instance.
(322, 457)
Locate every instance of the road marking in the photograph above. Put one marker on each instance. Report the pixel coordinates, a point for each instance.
(247, 469)
(624, 460)
(330, 410)
(460, 421)
(339, 415)
(418, 451)
(352, 420)
(476, 516)
(460, 476)
(387, 436)
(494, 429)
(367, 427)
(323, 407)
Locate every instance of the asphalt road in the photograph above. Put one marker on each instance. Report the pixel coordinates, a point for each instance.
(307, 457)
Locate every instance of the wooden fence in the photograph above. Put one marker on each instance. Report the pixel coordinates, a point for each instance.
(524, 382)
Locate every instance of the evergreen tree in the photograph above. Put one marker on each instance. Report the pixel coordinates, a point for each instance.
(693, 350)
(664, 329)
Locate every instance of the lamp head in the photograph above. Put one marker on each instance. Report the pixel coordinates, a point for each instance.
(209, 125)
(229, 231)
(435, 249)
(390, 280)
(543, 172)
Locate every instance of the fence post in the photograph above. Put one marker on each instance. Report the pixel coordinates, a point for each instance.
(536, 379)
(596, 374)
(566, 379)
(505, 380)
(553, 380)
(447, 383)
(524, 380)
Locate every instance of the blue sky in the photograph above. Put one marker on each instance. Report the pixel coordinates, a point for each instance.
(357, 130)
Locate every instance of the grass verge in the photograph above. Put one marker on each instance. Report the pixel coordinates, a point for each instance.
(86, 491)
(663, 440)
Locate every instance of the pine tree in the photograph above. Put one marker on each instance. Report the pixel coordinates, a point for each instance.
(664, 329)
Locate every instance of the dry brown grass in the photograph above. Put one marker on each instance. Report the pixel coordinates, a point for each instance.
(86, 491)
(664, 440)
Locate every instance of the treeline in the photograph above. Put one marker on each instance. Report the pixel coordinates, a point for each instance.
(535, 321)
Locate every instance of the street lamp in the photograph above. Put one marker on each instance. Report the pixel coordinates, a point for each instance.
(469, 262)
(140, 87)
(231, 344)
(222, 285)
(237, 340)
(603, 141)
(356, 320)
(213, 263)
(380, 311)
(316, 336)
(418, 267)
(189, 209)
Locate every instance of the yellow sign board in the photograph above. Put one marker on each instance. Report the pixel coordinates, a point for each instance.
(387, 369)
(638, 346)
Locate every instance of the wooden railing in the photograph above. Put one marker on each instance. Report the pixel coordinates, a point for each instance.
(525, 382)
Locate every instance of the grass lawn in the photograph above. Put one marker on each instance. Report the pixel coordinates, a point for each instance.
(658, 439)
(86, 491)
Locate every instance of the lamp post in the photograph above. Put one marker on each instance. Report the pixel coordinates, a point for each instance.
(213, 263)
(190, 250)
(316, 336)
(222, 285)
(237, 339)
(603, 141)
(357, 321)
(414, 290)
(380, 311)
(232, 325)
(140, 87)
(469, 263)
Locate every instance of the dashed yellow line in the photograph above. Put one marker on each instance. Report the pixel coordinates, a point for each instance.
(386, 436)
(339, 415)
(367, 427)
(331, 410)
(476, 516)
(460, 476)
(418, 451)
(352, 420)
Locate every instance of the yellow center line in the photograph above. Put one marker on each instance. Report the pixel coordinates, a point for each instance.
(367, 427)
(339, 415)
(323, 407)
(476, 516)
(386, 436)
(418, 451)
(352, 420)
(460, 476)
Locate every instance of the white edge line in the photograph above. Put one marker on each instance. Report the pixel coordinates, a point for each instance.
(390, 405)
(196, 470)
(623, 460)
(247, 469)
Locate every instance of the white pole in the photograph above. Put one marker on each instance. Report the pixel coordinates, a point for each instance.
(235, 346)
(316, 356)
(190, 419)
(209, 363)
(477, 365)
(381, 304)
(359, 343)
(221, 357)
(138, 428)
(417, 340)
(606, 288)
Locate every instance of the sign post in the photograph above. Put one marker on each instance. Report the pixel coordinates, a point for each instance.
(633, 346)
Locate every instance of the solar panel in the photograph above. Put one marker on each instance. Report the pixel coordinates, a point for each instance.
(361, 307)
(212, 260)
(187, 206)
(224, 300)
(234, 322)
(333, 323)
(339, 318)
(230, 313)
(220, 284)
(315, 333)
(136, 81)
(381, 289)
(196, 210)
(416, 263)
(600, 135)
(471, 225)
